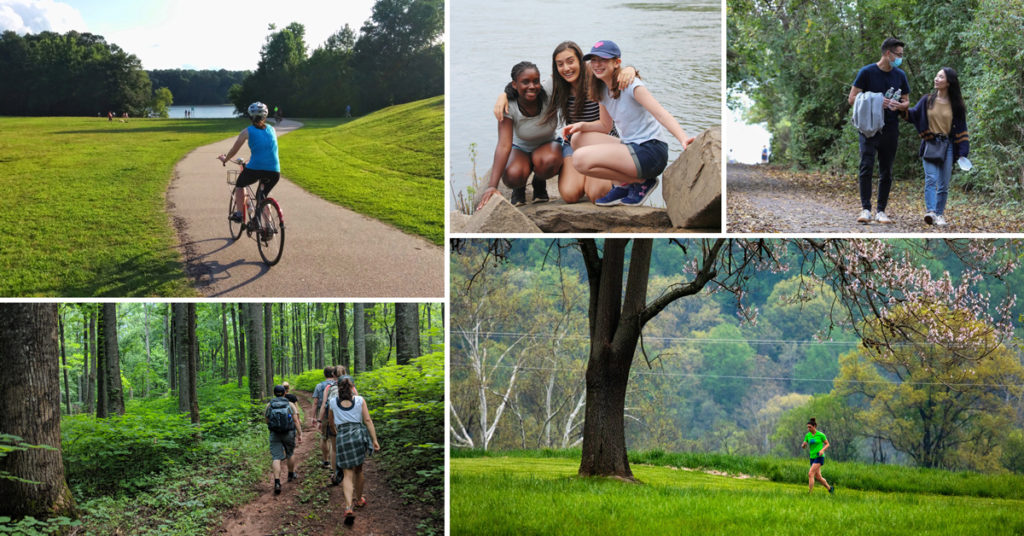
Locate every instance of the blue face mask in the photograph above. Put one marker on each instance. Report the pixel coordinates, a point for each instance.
(897, 62)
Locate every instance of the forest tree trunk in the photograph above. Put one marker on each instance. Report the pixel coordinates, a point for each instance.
(407, 332)
(193, 355)
(369, 338)
(359, 337)
(101, 372)
(224, 341)
(64, 362)
(268, 347)
(28, 342)
(182, 349)
(343, 358)
(239, 348)
(254, 330)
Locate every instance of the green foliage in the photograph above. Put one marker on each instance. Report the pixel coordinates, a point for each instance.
(190, 86)
(1013, 451)
(162, 99)
(490, 495)
(724, 363)
(69, 74)
(110, 179)
(30, 526)
(835, 419)
(388, 165)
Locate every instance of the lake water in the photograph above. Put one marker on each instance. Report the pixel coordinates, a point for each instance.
(205, 111)
(675, 45)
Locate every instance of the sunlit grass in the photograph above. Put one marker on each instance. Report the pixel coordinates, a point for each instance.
(521, 495)
(84, 212)
(387, 165)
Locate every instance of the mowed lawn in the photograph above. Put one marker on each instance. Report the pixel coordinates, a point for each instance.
(527, 496)
(84, 210)
(388, 165)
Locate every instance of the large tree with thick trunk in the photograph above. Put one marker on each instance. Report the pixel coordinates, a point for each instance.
(359, 337)
(407, 332)
(254, 331)
(32, 480)
(110, 393)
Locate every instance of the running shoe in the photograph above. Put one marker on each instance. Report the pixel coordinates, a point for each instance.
(832, 488)
(614, 196)
(518, 197)
(865, 216)
(236, 216)
(277, 487)
(540, 191)
(292, 476)
(640, 191)
(940, 220)
(881, 217)
(929, 218)
(350, 517)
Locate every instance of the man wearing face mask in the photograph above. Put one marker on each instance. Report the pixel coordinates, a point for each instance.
(881, 77)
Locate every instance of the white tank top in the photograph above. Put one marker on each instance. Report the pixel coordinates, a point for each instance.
(343, 415)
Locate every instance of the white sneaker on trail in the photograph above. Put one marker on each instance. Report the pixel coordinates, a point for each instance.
(939, 220)
(865, 216)
(929, 218)
(881, 217)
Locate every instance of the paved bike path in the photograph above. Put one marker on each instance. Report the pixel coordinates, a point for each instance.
(329, 251)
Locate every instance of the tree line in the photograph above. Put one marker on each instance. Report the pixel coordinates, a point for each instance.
(904, 361)
(190, 86)
(797, 61)
(74, 74)
(396, 57)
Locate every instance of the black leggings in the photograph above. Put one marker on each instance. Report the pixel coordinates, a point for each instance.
(267, 179)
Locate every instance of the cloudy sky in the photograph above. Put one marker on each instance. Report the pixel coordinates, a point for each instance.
(186, 34)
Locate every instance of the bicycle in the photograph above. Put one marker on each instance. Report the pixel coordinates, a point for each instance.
(262, 219)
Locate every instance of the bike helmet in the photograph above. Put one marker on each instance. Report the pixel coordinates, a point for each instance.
(258, 110)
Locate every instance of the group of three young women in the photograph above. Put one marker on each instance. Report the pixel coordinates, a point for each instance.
(611, 148)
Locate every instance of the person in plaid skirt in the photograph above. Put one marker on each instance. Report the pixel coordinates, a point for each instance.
(355, 436)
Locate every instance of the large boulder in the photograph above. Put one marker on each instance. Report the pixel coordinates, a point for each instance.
(585, 217)
(692, 185)
(497, 216)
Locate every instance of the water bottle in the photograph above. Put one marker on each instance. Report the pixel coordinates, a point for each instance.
(888, 94)
(896, 96)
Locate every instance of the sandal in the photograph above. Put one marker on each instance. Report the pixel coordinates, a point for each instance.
(350, 517)
(360, 503)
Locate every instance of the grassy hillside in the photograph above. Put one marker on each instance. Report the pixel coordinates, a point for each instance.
(84, 212)
(387, 165)
(542, 495)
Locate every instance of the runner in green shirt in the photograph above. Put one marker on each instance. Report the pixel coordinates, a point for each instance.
(816, 443)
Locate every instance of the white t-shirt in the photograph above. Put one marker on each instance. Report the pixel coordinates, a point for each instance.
(634, 123)
(529, 133)
(353, 414)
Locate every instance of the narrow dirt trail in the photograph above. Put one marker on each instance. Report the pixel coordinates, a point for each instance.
(311, 506)
(329, 250)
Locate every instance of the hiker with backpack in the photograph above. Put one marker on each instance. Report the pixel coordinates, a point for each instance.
(350, 422)
(285, 431)
(326, 441)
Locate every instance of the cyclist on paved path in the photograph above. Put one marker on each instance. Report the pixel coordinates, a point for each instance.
(352, 427)
(326, 445)
(816, 443)
(285, 431)
(264, 165)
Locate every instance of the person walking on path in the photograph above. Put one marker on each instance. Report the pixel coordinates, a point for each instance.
(355, 435)
(264, 164)
(886, 78)
(941, 120)
(285, 431)
(326, 441)
(816, 444)
(764, 154)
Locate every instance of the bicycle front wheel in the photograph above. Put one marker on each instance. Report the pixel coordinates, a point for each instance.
(234, 227)
(270, 233)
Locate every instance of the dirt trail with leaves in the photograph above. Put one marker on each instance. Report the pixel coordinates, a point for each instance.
(311, 506)
(766, 199)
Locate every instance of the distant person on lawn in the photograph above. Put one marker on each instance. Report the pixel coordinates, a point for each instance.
(285, 431)
(882, 77)
(816, 444)
(354, 434)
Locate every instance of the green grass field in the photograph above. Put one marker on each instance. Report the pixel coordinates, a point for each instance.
(527, 495)
(84, 212)
(388, 165)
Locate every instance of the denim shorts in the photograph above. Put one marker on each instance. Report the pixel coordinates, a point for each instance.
(566, 148)
(819, 460)
(530, 151)
(650, 157)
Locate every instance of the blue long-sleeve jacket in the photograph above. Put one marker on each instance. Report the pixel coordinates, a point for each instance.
(918, 115)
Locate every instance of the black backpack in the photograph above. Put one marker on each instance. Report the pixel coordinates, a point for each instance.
(280, 418)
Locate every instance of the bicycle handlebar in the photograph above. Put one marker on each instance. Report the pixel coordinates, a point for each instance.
(238, 161)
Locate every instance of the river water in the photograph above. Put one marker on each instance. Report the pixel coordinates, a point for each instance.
(204, 111)
(675, 45)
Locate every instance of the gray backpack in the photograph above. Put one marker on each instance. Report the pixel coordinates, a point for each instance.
(280, 417)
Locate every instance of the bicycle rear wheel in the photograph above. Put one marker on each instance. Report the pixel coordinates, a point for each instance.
(234, 227)
(270, 234)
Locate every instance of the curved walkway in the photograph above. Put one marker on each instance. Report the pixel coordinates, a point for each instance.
(329, 251)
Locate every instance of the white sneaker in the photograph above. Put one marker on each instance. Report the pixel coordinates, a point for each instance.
(939, 220)
(880, 217)
(929, 218)
(865, 216)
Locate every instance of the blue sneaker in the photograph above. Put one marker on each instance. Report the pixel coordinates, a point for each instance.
(614, 196)
(640, 191)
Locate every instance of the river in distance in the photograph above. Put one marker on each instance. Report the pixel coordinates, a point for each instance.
(202, 111)
(676, 46)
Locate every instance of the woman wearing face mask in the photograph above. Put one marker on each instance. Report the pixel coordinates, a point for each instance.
(633, 162)
(526, 139)
(941, 119)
